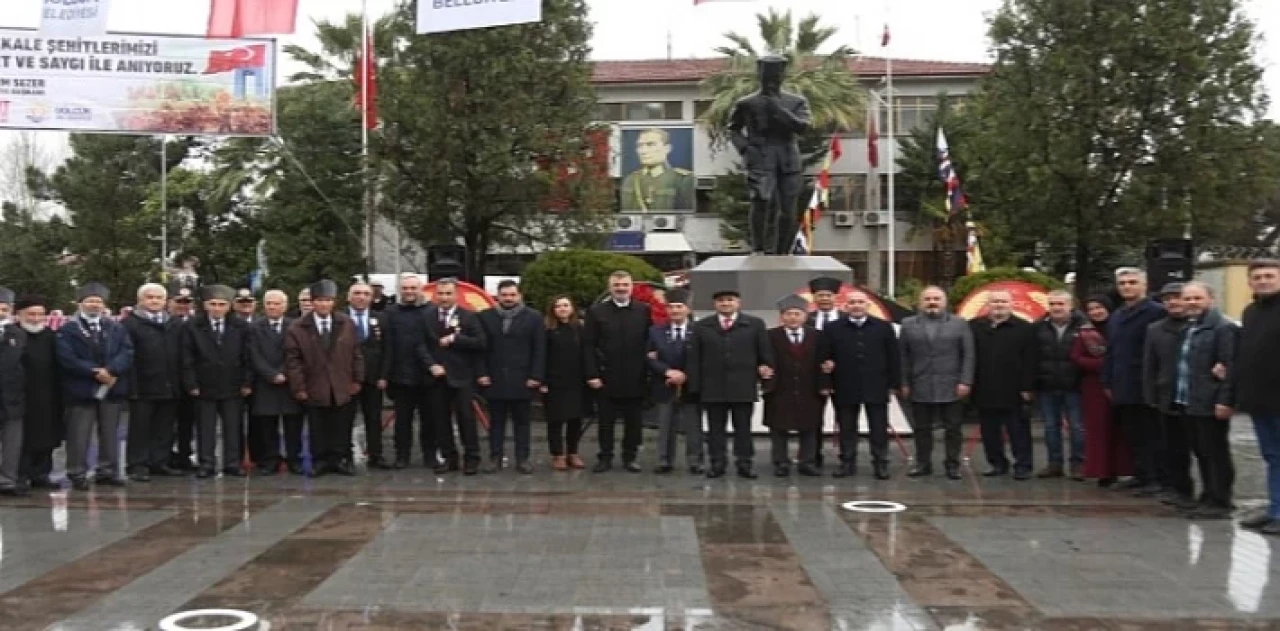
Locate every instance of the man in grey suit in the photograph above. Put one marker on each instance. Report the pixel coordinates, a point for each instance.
(937, 374)
(272, 402)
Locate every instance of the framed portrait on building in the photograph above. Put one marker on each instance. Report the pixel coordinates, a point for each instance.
(656, 169)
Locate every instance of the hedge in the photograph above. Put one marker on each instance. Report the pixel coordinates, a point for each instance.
(965, 285)
(582, 274)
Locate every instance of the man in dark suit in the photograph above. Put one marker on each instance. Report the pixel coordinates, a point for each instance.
(515, 368)
(245, 305)
(181, 301)
(403, 374)
(272, 402)
(867, 368)
(454, 355)
(796, 397)
(677, 411)
(95, 354)
(1004, 380)
(325, 369)
(1122, 378)
(216, 372)
(13, 388)
(157, 383)
(615, 343)
(728, 359)
(824, 291)
(369, 400)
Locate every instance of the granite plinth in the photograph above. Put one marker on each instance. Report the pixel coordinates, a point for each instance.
(761, 279)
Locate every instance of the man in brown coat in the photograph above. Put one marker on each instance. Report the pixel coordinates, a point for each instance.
(794, 400)
(324, 369)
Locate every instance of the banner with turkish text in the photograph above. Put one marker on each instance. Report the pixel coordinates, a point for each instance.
(440, 16)
(137, 84)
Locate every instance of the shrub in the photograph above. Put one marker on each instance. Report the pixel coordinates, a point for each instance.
(582, 274)
(965, 285)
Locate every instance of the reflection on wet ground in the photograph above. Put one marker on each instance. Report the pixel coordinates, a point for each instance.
(412, 550)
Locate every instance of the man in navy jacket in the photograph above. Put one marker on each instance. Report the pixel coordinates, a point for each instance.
(867, 369)
(96, 354)
(1122, 378)
(668, 356)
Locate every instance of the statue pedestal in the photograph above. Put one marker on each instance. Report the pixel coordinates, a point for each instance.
(762, 281)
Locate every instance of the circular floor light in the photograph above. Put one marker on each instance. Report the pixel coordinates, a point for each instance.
(244, 620)
(873, 506)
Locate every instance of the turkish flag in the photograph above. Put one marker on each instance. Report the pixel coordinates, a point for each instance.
(244, 18)
(254, 56)
(367, 66)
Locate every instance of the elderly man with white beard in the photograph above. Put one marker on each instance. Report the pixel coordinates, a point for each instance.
(42, 425)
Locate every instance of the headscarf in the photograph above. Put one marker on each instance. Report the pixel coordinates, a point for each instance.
(1106, 301)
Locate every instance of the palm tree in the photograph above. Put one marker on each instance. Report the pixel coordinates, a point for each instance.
(836, 99)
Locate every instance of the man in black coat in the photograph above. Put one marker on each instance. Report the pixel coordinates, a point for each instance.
(867, 368)
(369, 400)
(676, 410)
(13, 389)
(1257, 382)
(157, 383)
(1004, 381)
(216, 372)
(729, 358)
(1122, 379)
(515, 369)
(1159, 371)
(402, 374)
(453, 353)
(1058, 384)
(272, 402)
(42, 408)
(181, 303)
(615, 340)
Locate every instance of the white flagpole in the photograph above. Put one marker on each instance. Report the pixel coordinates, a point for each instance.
(365, 64)
(891, 167)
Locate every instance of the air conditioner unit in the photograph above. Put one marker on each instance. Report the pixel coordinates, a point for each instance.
(844, 218)
(872, 218)
(664, 223)
(706, 183)
(629, 223)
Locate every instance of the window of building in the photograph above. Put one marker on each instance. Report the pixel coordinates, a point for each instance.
(913, 112)
(700, 108)
(640, 111)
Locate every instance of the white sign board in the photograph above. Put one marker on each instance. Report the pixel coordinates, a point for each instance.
(74, 18)
(440, 16)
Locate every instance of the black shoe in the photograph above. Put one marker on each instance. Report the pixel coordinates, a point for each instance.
(1106, 483)
(472, 467)
(110, 480)
(178, 463)
(295, 468)
(140, 474)
(44, 483)
(632, 466)
(345, 468)
(747, 472)
(1252, 523)
(1022, 475)
(204, 472)
(524, 468)
(1150, 490)
(809, 471)
(1272, 528)
(452, 464)
(1208, 513)
(233, 472)
(493, 466)
(164, 471)
(920, 471)
(781, 471)
(1132, 484)
(377, 462)
(953, 472)
(401, 463)
(14, 490)
(696, 469)
(602, 466)
(316, 471)
(1171, 498)
(665, 468)
(995, 472)
(881, 470)
(442, 468)
(715, 472)
(81, 484)
(846, 470)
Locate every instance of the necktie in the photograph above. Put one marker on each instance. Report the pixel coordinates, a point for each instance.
(324, 328)
(217, 330)
(444, 316)
(96, 329)
(275, 326)
(822, 320)
(360, 323)
(677, 334)
(726, 323)
(795, 338)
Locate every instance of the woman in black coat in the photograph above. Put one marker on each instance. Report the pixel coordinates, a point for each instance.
(564, 393)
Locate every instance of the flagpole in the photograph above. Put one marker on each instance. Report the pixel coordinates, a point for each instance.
(366, 64)
(891, 290)
(164, 206)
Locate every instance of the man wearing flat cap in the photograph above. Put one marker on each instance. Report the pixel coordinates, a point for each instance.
(796, 397)
(216, 373)
(324, 368)
(12, 393)
(729, 358)
(95, 354)
(1161, 351)
(42, 427)
(677, 410)
(181, 303)
(245, 305)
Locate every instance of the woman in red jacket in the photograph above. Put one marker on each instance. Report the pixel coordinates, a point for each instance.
(1106, 454)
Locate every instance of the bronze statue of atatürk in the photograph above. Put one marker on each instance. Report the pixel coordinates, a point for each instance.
(763, 128)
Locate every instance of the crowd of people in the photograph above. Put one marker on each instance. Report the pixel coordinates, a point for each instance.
(1140, 385)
